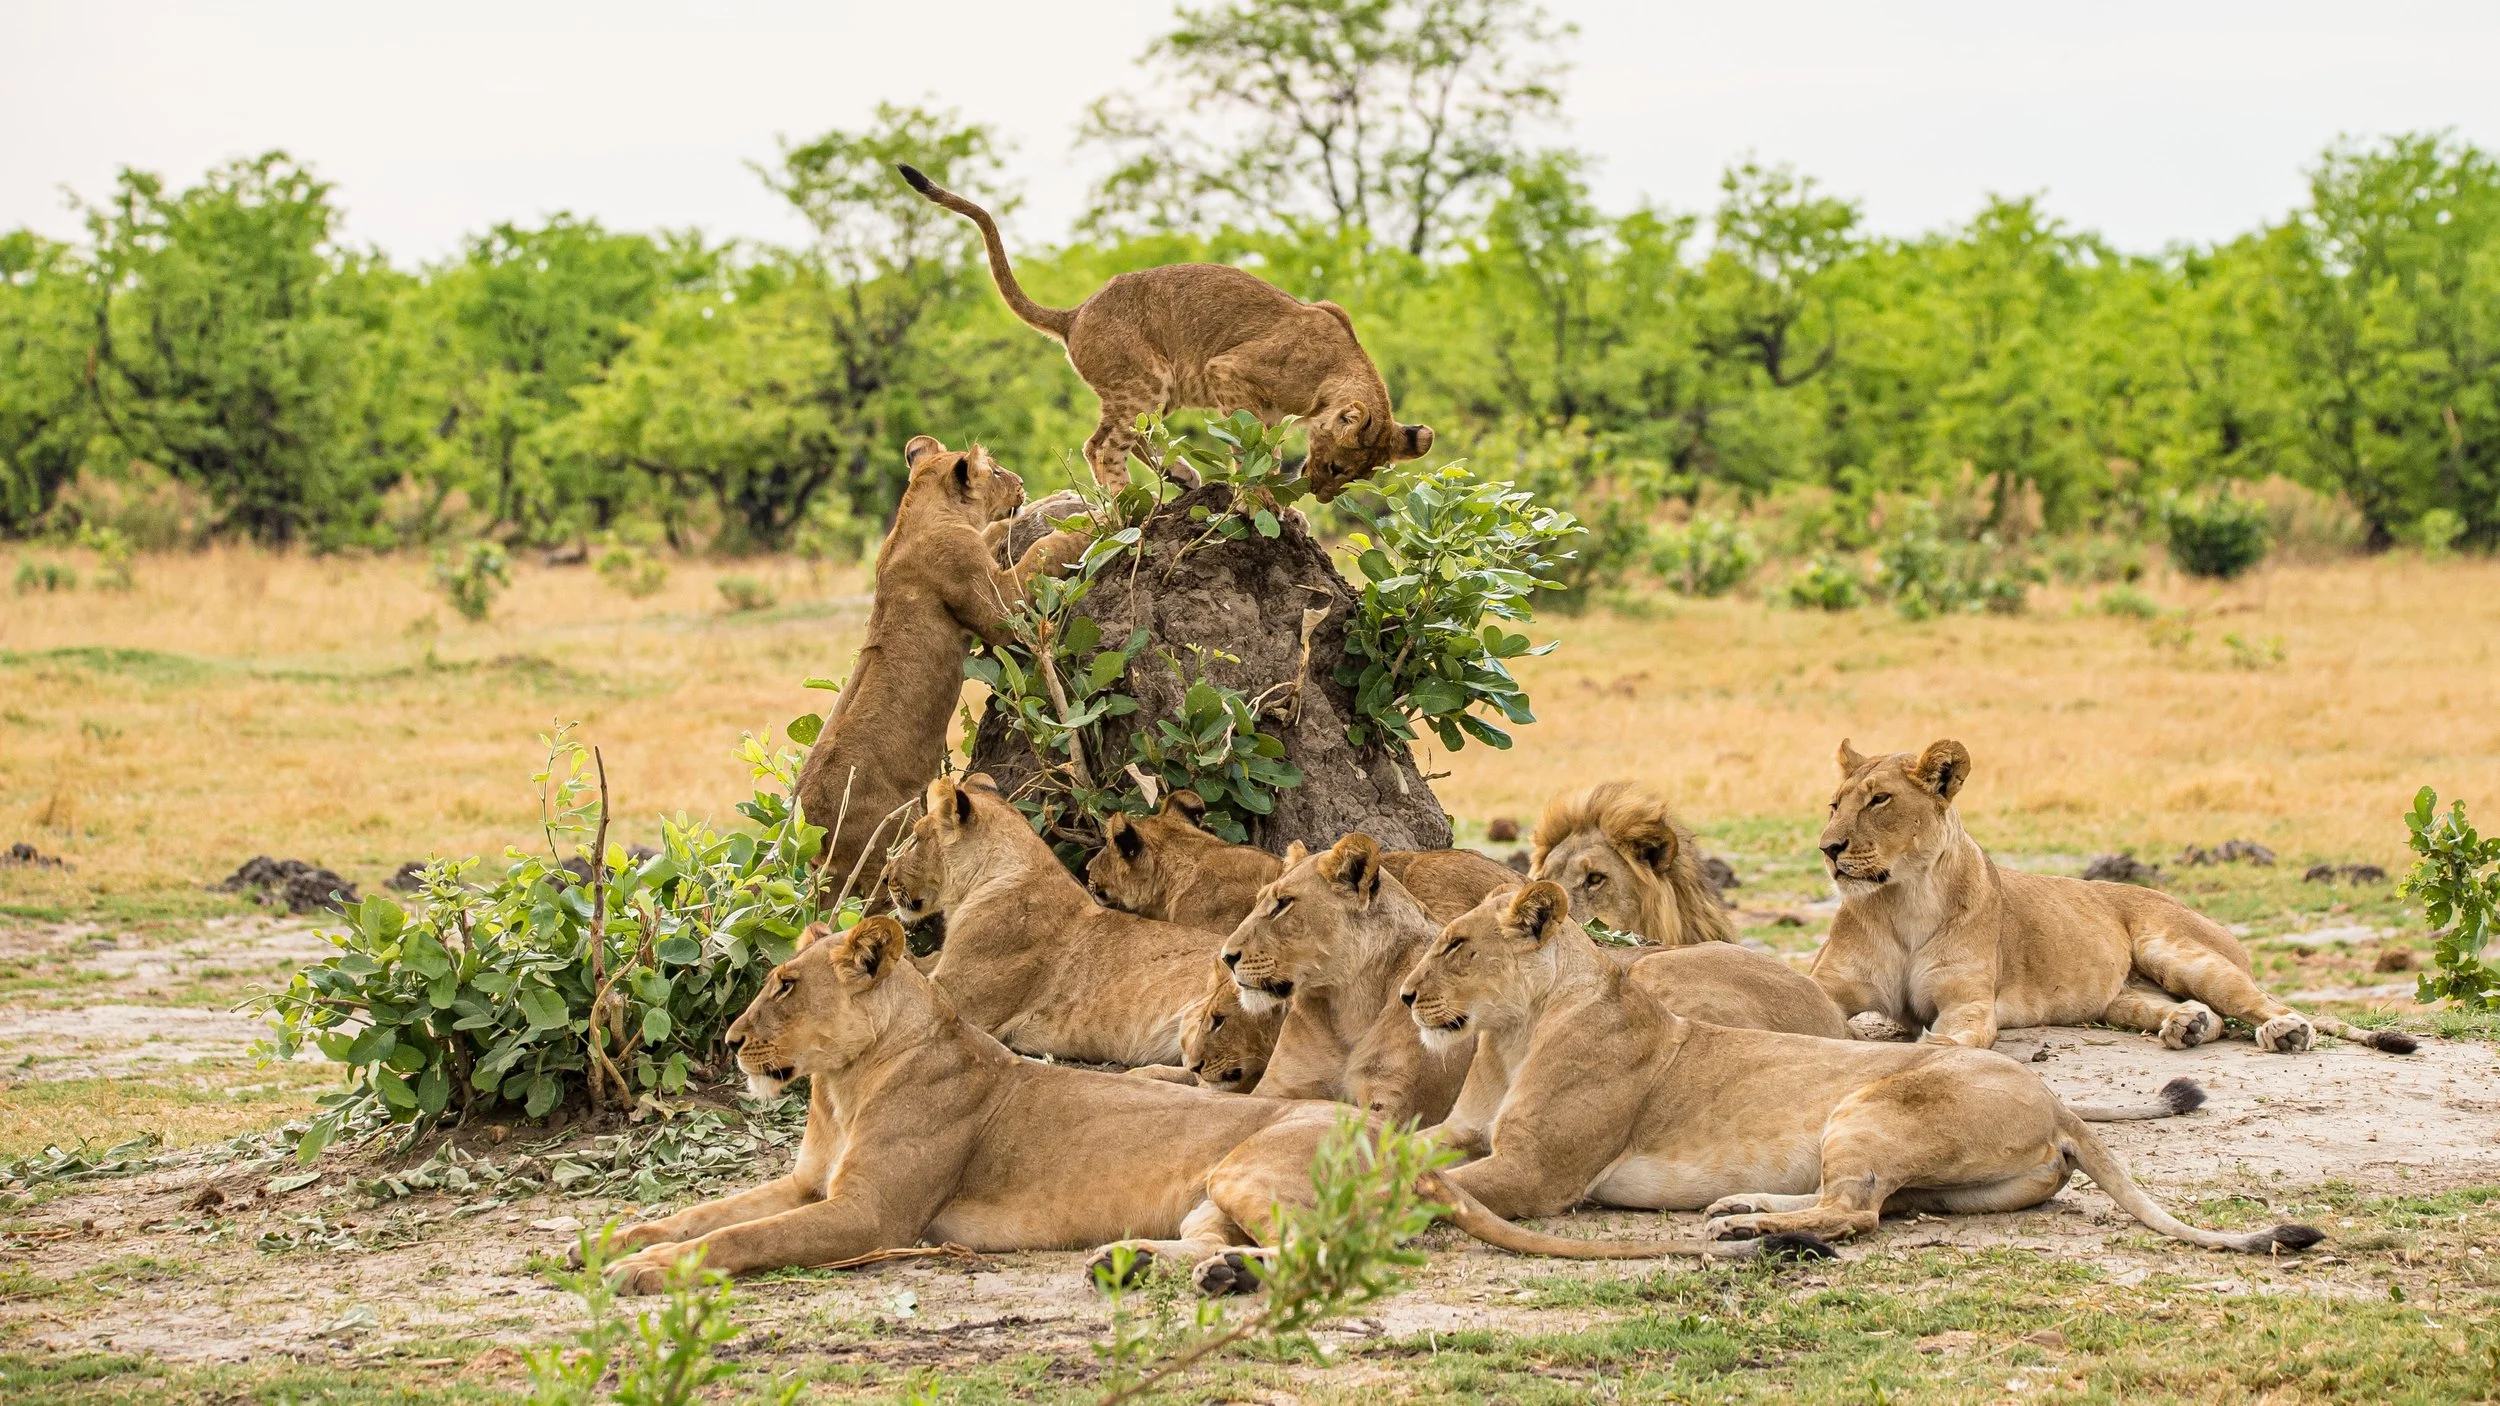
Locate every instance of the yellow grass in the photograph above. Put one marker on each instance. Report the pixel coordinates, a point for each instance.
(299, 715)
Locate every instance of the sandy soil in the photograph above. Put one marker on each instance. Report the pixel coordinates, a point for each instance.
(195, 1284)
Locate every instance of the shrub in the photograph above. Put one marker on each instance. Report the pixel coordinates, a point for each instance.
(47, 577)
(1444, 554)
(540, 986)
(113, 552)
(662, 1358)
(472, 581)
(2221, 538)
(2437, 532)
(639, 574)
(2097, 560)
(1825, 583)
(2457, 882)
(1926, 574)
(1708, 556)
(745, 593)
(2130, 603)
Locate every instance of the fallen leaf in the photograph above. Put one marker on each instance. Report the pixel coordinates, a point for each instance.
(562, 1225)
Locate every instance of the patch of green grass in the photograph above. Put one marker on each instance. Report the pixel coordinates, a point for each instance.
(77, 1379)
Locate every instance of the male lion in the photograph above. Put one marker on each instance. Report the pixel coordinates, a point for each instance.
(938, 585)
(1168, 865)
(1629, 863)
(1211, 336)
(1771, 1132)
(920, 1126)
(1033, 960)
(1931, 933)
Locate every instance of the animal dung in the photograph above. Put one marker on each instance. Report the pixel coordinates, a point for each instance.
(2228, 852)
(293, 884)
(2123, 868)
(2344, 873)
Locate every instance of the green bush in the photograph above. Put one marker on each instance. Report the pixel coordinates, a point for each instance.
(2457, 882)
(471, 579)
(1707, 556)
(47, 577)
(2220, 538)
(536, 987)
(2437, 531)
(2130, 603)
(1925, 574)
(745, 593)
(639, 574)
(1826, 583)
(113, 553)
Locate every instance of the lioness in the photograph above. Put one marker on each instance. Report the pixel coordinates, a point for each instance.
(1033, 960)
(1931, 933)
(1223, 1046)
(1770, 1132)
(1168, 865)
(922, 1127)
(1629, 863)
(937, 587)
(1211, 336)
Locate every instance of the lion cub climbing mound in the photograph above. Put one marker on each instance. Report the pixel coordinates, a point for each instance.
(1212, 337)
(1931, 933)
(937, 586)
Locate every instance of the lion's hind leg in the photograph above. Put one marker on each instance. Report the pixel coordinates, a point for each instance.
(1205, 1232)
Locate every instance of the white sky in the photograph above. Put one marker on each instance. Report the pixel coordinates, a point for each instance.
(2149, 122)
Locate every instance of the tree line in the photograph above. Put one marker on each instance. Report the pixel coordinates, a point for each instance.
(560, 380)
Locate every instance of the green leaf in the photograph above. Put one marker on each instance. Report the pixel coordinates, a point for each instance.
(829, 685)
(678, 951)
(545, 1008)
(804, 729)
(543, 1093)
(373, 1045)
(655, 1026)
(316, 1137)
(433, 1092)
(395, 1090)
(1265, 521)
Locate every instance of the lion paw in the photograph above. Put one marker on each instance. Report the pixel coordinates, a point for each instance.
(644, 1272)
(1732, 1206)
(1875, 1025)
(2189, 1024)
(1103, 1270)
(2288, 1033)
(1733, 1227)
(1232, 1272)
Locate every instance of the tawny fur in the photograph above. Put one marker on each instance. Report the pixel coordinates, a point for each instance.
(938, 588)
(921, 1128)
(1932, 935)
(1771, 1133)
(1212, 337)
(1628, 862)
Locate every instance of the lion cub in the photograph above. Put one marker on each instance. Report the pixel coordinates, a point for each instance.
(1212, 337)
(1931, 933)
(1772, 1133)
(938, 586)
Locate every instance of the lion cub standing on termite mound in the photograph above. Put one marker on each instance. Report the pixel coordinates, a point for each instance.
(1931, 933)
(938, 585)
(1212, 337)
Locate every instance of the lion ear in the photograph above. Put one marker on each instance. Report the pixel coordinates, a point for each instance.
(949, 802)
(813, 934)
(1942, 768)
(871, 949)
(1536, 912)
(1353, 864)
(920, 448)
(1125, 839)
(1650, 841)
(1295, 853)
(982, 781)
(1188, 805)
(1848, 759)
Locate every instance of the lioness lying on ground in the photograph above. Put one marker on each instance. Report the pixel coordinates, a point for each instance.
(922, 1127)
(1629, 863)
(938, 586)
(1770, 1132)
(1028, 956)
(1932, 934)
(1168, 865)
(1214, 337)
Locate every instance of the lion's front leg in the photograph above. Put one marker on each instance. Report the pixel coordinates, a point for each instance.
(1966, 1008)
(840, 1227)
(771, 1199)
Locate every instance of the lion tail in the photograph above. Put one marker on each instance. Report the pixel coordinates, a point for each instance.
(2181, 1095)
(1478, 1220)
(2083, 1148)
(1055, 321)
(2386, 1041)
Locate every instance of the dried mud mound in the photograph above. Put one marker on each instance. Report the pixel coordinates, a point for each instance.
(1247, 599)
(292, 884)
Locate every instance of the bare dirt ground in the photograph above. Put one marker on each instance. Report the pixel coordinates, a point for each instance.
(325, 1273)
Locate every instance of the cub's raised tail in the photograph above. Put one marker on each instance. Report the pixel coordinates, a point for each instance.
(1055, 321)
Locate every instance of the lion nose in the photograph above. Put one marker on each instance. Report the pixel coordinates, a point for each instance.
(1832, 851)
(1232, 959)
(1407, 996)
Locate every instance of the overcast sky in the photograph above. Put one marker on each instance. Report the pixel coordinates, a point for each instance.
(2186, 120)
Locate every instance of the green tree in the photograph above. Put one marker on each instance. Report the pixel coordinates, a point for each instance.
(45, 419)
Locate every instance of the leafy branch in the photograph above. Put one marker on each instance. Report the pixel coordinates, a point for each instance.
(2457, 882)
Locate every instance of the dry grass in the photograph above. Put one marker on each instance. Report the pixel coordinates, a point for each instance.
(334, 710)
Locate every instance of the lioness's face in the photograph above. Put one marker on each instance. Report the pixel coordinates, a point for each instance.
(1350, 441)
(1225, 1046)
(915, 879)
(972, 477)
(1603, 884)
(1302, 920)
(1479, 973)
(812, 1014)
(1128, 872)
(1892, 814)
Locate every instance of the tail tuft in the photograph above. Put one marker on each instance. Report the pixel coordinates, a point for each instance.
(2182, 1095)
(2297, 1237)
(917, 181)
(2393, 1042)
(1796, 1245)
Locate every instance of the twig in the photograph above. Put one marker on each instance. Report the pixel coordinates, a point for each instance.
(845, 895)
(1059, 700)
(604, 1069)
(949, 1250)
(1290, 713)
(816, 885)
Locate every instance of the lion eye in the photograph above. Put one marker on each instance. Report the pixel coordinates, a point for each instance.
(1455, 944)
(1878, 800)
(1281, 905)
(1216, 1021)
(1594, 881)
(786, 986)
